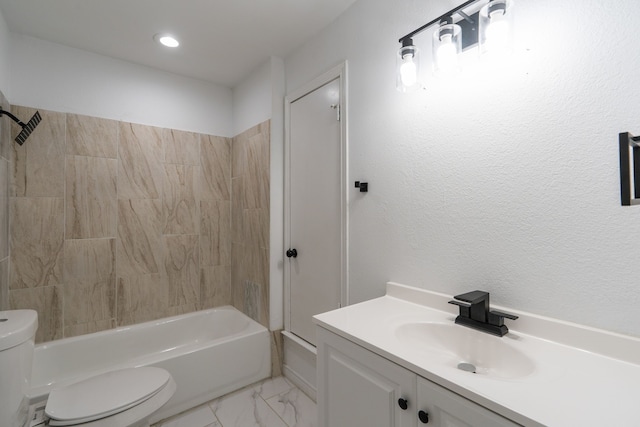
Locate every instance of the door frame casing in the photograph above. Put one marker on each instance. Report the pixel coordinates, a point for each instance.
(337, 72)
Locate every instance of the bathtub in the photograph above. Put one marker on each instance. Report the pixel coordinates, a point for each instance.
(209, 353)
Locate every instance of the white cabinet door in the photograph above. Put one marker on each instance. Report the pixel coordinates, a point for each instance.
(357, 388)
(447, 409)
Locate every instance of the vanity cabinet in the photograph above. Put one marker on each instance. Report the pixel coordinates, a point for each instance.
(358, 388)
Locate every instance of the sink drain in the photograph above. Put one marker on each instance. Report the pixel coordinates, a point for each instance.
(467, 367)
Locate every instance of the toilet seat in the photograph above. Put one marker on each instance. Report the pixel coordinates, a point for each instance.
(115, 398)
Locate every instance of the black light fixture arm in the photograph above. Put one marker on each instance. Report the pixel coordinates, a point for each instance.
(14, 118)
(439, 18)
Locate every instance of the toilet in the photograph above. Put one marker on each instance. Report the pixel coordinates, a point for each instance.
(120, 398)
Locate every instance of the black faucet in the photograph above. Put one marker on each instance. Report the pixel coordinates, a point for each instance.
(475, 313)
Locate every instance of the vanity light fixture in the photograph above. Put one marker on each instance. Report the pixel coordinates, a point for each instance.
(490, 28)
(166, 40)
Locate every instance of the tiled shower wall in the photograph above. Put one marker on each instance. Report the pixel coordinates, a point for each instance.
(5, 162)
(113, 223)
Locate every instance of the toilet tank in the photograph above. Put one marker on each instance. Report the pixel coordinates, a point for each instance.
(17, 333)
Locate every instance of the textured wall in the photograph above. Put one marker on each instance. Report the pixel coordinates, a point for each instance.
(250, 225)
(114, 223)
(502, 179)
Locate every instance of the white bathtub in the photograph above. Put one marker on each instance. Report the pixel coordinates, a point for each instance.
(209, 353)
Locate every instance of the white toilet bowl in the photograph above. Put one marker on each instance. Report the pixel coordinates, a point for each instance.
(122, 398)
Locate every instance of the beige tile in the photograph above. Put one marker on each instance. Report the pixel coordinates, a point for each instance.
(182, 309)
(182, 268)
(4, 284)
(140, 153)
(89, 276)
(238, 275)
(142, 298)
(180, 204)
(38, 167)
(215, 286)
(139, 248)
(237, 209)
(37, 239)
(256, 228)
(215, 181)
(215, 233)
(89, 327)
(6, 142)
(277, 353)
(181, 147)
(91, 198)
(92, 136)
(4, 208)
(239, 148)
(257, 172)
(47, 301)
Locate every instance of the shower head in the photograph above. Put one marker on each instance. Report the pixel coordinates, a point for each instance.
(26, 128)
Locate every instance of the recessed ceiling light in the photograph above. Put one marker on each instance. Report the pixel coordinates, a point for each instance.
(166, 40)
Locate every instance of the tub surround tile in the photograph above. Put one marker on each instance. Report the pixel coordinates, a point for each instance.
(89, 327)
(181, 147)
(215, 160)
(215, 286)
(91, 197)
(4, 208)
(89, 275)
(215, 233)
(141, 155)
(47, 301)
(277, 353)
(295, 408)
(140, 248)
(38, 167)
(245, 409)
(142, 298)
(148, 217)
(37, 240)
(91, 136)
(180, 202)
(4, 284)
(182, 269)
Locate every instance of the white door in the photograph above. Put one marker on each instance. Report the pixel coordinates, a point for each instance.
(315, 226)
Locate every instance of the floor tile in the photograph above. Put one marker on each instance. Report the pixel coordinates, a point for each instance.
(201, 416)
(245, 409)
(295, 408)
(273, 387)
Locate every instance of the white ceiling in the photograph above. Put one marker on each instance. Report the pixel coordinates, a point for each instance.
(222, 41)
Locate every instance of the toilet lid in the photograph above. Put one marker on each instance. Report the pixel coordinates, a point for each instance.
(104, 395)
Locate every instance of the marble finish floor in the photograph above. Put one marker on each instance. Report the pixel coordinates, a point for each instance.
(272, 403)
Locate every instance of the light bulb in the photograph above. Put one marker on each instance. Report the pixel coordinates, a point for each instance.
(447, 54)
(408, 71)
(497, 33)
(496, 28)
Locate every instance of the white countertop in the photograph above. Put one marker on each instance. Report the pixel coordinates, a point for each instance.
(580, 376)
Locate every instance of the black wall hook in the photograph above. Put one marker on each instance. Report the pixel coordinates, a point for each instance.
(363, 186)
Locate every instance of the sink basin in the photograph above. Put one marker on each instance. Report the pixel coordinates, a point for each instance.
(492, 356)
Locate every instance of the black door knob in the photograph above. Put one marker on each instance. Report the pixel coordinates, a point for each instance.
(403, 404)
(292, 253)
(423, 417)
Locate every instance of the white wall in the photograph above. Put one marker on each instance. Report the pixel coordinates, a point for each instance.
(59, 78)
(252, 99)
(4, 57)
(503, 180)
